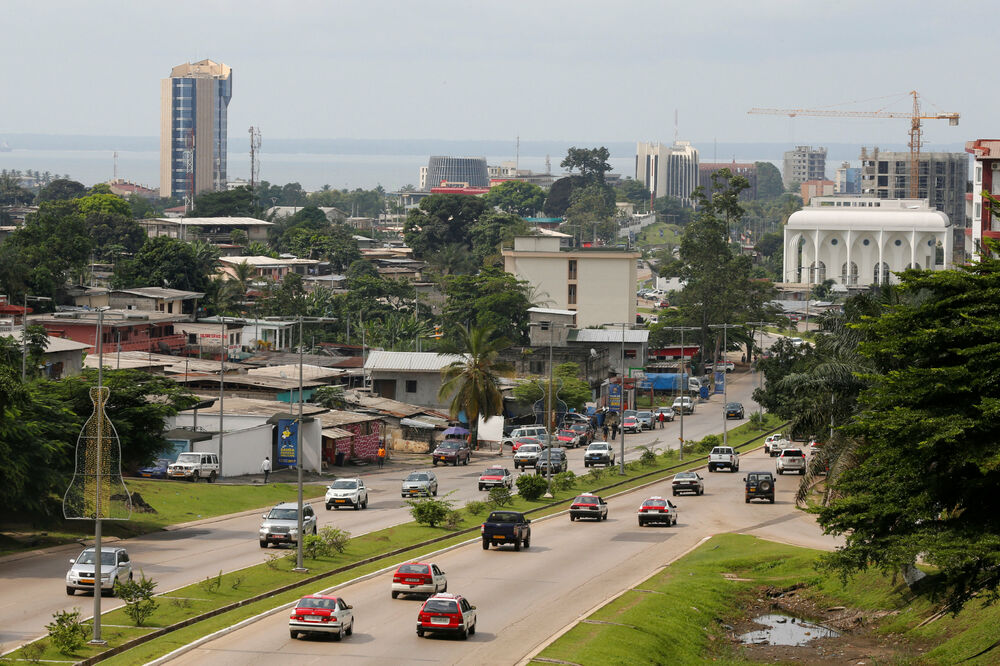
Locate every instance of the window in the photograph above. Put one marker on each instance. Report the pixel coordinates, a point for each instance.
(572, 269)
(629, 353)
(571, 295)
(411, 385)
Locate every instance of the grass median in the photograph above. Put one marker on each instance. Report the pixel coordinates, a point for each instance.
(219, 591)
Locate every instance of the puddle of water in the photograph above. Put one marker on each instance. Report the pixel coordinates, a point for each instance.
(785, 630)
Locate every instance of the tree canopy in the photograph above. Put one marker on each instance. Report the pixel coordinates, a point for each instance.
(441, 220)
(61, 189)
(236, 202)
(769, 185)
(569, 388)
(592, 163)
(516, 197)
(169, 262)
(492, 299)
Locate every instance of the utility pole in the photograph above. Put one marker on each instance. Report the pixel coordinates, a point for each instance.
(725, 383)
(685, 384)
(24, 332)
(759, 325)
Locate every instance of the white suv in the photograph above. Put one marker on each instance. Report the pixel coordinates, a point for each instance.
(193, 466)
(347, 492)
(115, 566)
(791, 460)
(525, 431)
(281, 524)
(683, 403)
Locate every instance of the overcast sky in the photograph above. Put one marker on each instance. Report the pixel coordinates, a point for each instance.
(574, 70)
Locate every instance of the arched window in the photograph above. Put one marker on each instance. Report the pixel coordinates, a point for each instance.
(849, 279)
(818, 270)
(884, 277)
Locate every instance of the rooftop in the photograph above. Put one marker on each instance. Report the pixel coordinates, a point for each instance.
(608, 335)
(409, 361)
(160, 292)
(210, 221)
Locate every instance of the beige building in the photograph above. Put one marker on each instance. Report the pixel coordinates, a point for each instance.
(193, 128)
(597, 283)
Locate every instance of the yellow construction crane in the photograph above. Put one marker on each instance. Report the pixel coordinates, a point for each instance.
(914, 117)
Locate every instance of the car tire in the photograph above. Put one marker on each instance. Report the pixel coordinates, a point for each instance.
(339, 636)
(357, 506)
(700, 492)
(445, 588)
(194, 478)
(435, 491)
(772, 500)
(71, 591)
(263, 544)
(517, 545)
(293, 634)
(746, 498)
(779, 471)
(480, 486)
(329, 507)
(472, 629)
(527, 543)
(464, 635)
(486, 544)
(675, 493)
(571, 517)
(420, 633)
(642, 524)
(350, 629)
(802, 472)
(364, 505)
(212, 477)
(395, 595)
(711, 468)
(434, 462)
(455, 464)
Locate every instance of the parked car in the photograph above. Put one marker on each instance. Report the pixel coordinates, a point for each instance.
(521, 441)
(347, 492)
(688, 482)
(420, 483)
(321, 614)
(158, 470)
(527, 455)
(588, 506)
(797, 342)
(774, 443)
(452, 451)
(418, 578)
(115, 567)
(668, 413)
(734, 410)
(759, 485)
(599, 453)
(448, 614)
(506, 527)
(725, 366)
(631, 424)
(629, 412)
(684, 403)
(496, 477)
(568, 438)
(557, 461)
(281, 524)
(575, 417)
(723, 457)
(645, 419)
(193, 466)
(791, 460)
(524, 431)
(657, 510)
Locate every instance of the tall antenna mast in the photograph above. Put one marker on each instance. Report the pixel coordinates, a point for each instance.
(517, 153)
(254, 161)
(116, 167)
(548, 165)
(675, 125)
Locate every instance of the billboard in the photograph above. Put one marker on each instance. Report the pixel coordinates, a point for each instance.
(720, 381)
(288, 442)
(615, 397)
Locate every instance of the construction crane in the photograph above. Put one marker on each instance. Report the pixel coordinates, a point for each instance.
(916, 132)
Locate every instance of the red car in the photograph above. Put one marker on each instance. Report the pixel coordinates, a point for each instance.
(496, 477)
(524, 440)
(321, 614)
(568, 438)
(449, 614)
(418, 578)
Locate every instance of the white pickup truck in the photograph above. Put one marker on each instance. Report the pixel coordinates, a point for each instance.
(773, 444)
(724, 457)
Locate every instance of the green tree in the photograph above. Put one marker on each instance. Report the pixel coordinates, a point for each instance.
(61, 189)
(491, 230)
(569, 388)
(589, 215)
(672, 211)
(592, 163)
(41, 256)
(11, 192)
(558, 198)
(516, 197)
(472, 383)
(227, 203)
(110, 223)
(769, 185)
(441, 220)
(634, 192)
(164, 261)
(492, 299)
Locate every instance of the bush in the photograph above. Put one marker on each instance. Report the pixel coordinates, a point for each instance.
(211, 584)
(648, 458)
(596, 473)
(138, 597)
(564, 480)
(707, 443)
(758, 421)
(499, 497)
(453, 520)
(429, 511)
(32, 652)
(335, 539)
(475, 507)
(531, 486)
(68, 634)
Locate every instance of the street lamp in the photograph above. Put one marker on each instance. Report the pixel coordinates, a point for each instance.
(550, 327)
(24, 332)
(621, 461)
(685, 384)
(759, 325)
(725, 384)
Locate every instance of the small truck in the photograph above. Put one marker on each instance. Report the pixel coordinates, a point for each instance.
(506, 527)
(724, 457)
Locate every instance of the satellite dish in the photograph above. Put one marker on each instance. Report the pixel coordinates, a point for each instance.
(593, 352)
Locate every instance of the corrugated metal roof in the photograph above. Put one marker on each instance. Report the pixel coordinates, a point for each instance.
(608, 335)
(337, 433)
(409, 361)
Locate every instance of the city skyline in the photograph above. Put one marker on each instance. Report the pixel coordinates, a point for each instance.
(561, 71)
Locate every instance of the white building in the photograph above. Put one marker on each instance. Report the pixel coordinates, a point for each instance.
(860, 241)
(667, 171)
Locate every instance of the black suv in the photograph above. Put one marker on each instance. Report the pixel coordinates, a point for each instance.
(559, 463)
(759, 485)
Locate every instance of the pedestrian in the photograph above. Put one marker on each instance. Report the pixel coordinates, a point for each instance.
(605, 432)
(614, 430)
(661, 417)
(381, 455)
(266, 467)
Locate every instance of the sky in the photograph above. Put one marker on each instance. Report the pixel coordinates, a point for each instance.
(567, 70)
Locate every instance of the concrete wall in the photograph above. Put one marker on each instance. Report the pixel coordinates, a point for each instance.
(428, 384)
(243, 450)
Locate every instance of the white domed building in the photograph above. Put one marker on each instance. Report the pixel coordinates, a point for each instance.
(861, 241)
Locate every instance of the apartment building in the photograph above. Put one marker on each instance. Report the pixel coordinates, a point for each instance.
(803, 164)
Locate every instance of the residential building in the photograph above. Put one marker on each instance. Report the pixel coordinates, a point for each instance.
(985, 178)
(816, 188)
(155, 299)
(862, 241)
(802, 164)
(62, 357)
(276, 335)
(667, 171)
(194, 103)
(208, 229)
(614, 342)
(127, 330)
(942, 181)
(847, 180)
(126, 188)
(746, 169)
(413, 377)
(269, 267)
(549, 332)
(470, 171)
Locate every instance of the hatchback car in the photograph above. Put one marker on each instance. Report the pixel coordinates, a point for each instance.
(281, 524)
(657, 510)
(521, 441)
(448, 614)
(347, 492)
(418, 578)
(688, 482)
(791, 460)
(527, 455)
(645, 420)
(321, 614)
(734, 410)
(599, 453)
(158, 470)
(452, 451)
(115, 567)
(420, 483)
(496, 477)
(588, 506)
(631, 424)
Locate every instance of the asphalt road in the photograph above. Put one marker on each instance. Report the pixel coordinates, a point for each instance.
(36, 584)
(525, 597)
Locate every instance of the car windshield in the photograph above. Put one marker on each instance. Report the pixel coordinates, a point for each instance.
(344, 484)
(567, 433)
(414, 569)
(733, 405)
(598, 447)
(586, 499)
(87, 557)
(448, 445)
(441, 606)
(686, 475)
(493, 471)
(313, 602)
(189, 458)
(417, 477)
(283, 514)
(629, 412)
(655, 502)
(579, 427)
(644, 415)
(529, 448)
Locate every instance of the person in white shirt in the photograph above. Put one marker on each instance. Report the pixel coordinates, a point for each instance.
(266, 467)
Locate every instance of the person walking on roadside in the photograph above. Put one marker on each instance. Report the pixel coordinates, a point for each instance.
(661, 417)
(381, 456)
(605, 429)
(266, 467)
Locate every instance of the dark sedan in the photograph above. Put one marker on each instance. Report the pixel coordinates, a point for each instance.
(454, 451)
(158, 470)
(734, 410)
(558, 461)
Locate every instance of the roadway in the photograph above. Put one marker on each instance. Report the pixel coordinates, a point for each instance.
(184, 556)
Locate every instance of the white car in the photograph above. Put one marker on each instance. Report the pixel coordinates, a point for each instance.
(791, 460)
(773, 444)
(418, 578)
(281, 524)
(523, 431)
(115, 566)
(723, 457)
(321, 614)
(347, 492)
(797, 342)
(725, 366)
(657, 510)
(527, 455)
(683, 403)
(496, 477)
(193, 466)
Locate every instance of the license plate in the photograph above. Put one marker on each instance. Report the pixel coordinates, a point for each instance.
(413, 491)
(753, 488)
(340, 501)
(440, 620)
(87, 580)
(499, 536)
(278, 536)
(441, 458)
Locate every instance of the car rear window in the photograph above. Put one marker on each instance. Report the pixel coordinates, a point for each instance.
(493, 471)
(441, 606)
(585, 499)
(504, 517)
(310, 602)
(414, 569)
(792, 452)
(685, 475)
(655, 502)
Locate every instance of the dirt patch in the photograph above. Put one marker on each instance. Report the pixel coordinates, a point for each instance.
(858, 642)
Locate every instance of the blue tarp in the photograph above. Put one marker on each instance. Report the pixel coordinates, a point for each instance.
(664, 381)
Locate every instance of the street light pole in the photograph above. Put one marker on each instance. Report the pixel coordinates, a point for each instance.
(685, 385)
(98, 584)
(725, 383)
(621, 377)
(548, 418)
(759, 325)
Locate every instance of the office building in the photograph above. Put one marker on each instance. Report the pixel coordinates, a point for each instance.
(985, 178)
(193, 123)
(667, 171)
(746, 169)
(942, 181)
(802, 164)
(455, 171)
(847, 179)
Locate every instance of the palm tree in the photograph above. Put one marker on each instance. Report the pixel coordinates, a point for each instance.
(243, 274)
(473, 381)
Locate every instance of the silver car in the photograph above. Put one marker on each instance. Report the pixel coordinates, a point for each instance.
(281, 524)
(527, 455)
(115, 566)
(420, 483)
(645, 420)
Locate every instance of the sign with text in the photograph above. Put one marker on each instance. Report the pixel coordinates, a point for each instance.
(720, 381)
(615, 397)
(288, 442)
